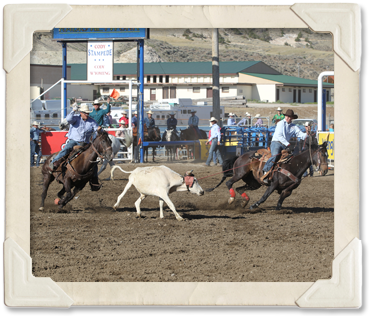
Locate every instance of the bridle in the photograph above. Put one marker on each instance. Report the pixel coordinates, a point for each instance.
(104, 150)
(318, 156)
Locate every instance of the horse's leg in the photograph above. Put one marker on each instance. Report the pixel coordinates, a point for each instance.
(48, 178)
(229, 185)
(103, 166)
(61, 193)
(267, 193)
(286, 193)
(153, 154)
(68, 196)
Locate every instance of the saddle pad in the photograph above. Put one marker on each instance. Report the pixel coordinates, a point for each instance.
(262, 154)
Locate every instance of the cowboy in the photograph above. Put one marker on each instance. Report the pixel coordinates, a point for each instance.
(215, 142)
(98, 114)
(172, 122)
(231, 121)
(107, 120)
(193, 121)
(149, 120)
(278, 117)
(81, 127)
(35, 148)
(305, 147)
(246, 121)
(259, 122)
(124, 119)
(284, 131)
(134, 119)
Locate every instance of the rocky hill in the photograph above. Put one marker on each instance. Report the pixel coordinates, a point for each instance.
(286, 50)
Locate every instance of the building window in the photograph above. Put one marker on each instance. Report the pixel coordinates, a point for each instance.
(310, 90)
(303, 90)
(167, 79)
(289, 90)
(148, 78)
(283, 89)
(122, 89)
(154, 79)
(47, 115)
(38, 116)
(240, 91)
(161, 79)
(184, 111)
(196, 89)
(55, 115)
(163, 117)
(225, 89)
(106, 90)
(158, 117)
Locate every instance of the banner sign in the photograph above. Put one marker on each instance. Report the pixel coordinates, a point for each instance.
(100, 61)
(76, 34)
(329, 137)
(52, 142)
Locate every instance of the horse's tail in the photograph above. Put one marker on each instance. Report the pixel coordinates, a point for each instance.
(227, 171)
(115, 167)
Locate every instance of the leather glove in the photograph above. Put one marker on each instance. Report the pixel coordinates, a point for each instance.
(75, 107)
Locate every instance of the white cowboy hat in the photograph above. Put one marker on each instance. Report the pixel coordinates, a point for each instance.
(193, 111)
(213, 119)
(135, 112)
(307, 123)
(257, 115)
(231, 114)
(172, 113)
(96, 102)
(36, 123)
(124, 112)
(149, 112)
(279, 109)
(248, 114)
(84, 108)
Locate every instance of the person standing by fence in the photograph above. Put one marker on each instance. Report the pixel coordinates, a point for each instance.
(231, 121)
(98, 114)
(215, 139)
(278, 117)
(35, 148)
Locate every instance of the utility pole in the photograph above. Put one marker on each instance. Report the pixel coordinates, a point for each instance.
(215, 65)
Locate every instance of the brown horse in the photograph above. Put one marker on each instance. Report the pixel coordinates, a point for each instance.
(285, 178)
(153, 134)
(191, 134)
(77, 172)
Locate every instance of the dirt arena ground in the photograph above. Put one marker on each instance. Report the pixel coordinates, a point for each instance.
(217, 243)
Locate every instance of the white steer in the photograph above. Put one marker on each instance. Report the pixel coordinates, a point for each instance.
(158, 181)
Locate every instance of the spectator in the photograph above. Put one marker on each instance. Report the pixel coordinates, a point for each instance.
(35, 148)
(134, 119)
(124, 119)
(278, 117)
(108, 120)
(259, 122)
(215, 139)
(97, 113)
(331, 127)
(231, 121)
(246, 121)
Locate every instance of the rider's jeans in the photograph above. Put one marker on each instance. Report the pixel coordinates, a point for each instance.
(275, 148)
(67, 149)
(214, 148)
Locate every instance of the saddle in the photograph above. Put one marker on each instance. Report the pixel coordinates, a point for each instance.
(135, 130)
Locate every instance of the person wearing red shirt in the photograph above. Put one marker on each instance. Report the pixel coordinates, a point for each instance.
(124, 119)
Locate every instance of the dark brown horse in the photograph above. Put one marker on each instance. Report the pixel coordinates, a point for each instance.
(191, 134)
(153, 134)
(77, 172)
(286, 178)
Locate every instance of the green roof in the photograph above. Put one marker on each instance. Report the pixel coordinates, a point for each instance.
(289, 80)
(79, 71)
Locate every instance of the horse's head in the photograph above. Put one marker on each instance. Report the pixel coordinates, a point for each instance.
(182, 134)
(320, 159)
(102, 144)
(169, 135)
(154, 134)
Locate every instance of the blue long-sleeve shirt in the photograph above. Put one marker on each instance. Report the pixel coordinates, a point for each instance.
(284, 132)
(231, 121)
(193, 120)
(79, 129)
(171, 123)
(35, 133)
(215, 132)
(149, 122)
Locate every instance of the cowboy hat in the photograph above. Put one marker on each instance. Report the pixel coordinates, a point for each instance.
(36, 123)
(231, 114)
(172, 113)
(135, 112)
(307, 123)
(149, 112)
(213, 119)
(290, 113)
(257, 115)
(193, 111)
(96, 102)
(124, 112)
(84, 108)
(248, 114)
(279, 109)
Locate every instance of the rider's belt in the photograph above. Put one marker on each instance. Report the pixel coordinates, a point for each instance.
(282, 144)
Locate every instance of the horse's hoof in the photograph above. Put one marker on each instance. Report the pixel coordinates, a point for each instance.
(41, 209)
(254, 206)
(56, 201)
(230, 200)
(244, 203)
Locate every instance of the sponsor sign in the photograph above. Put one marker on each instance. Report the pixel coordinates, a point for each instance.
(76, 34)
(324, 136)
(100, 61)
